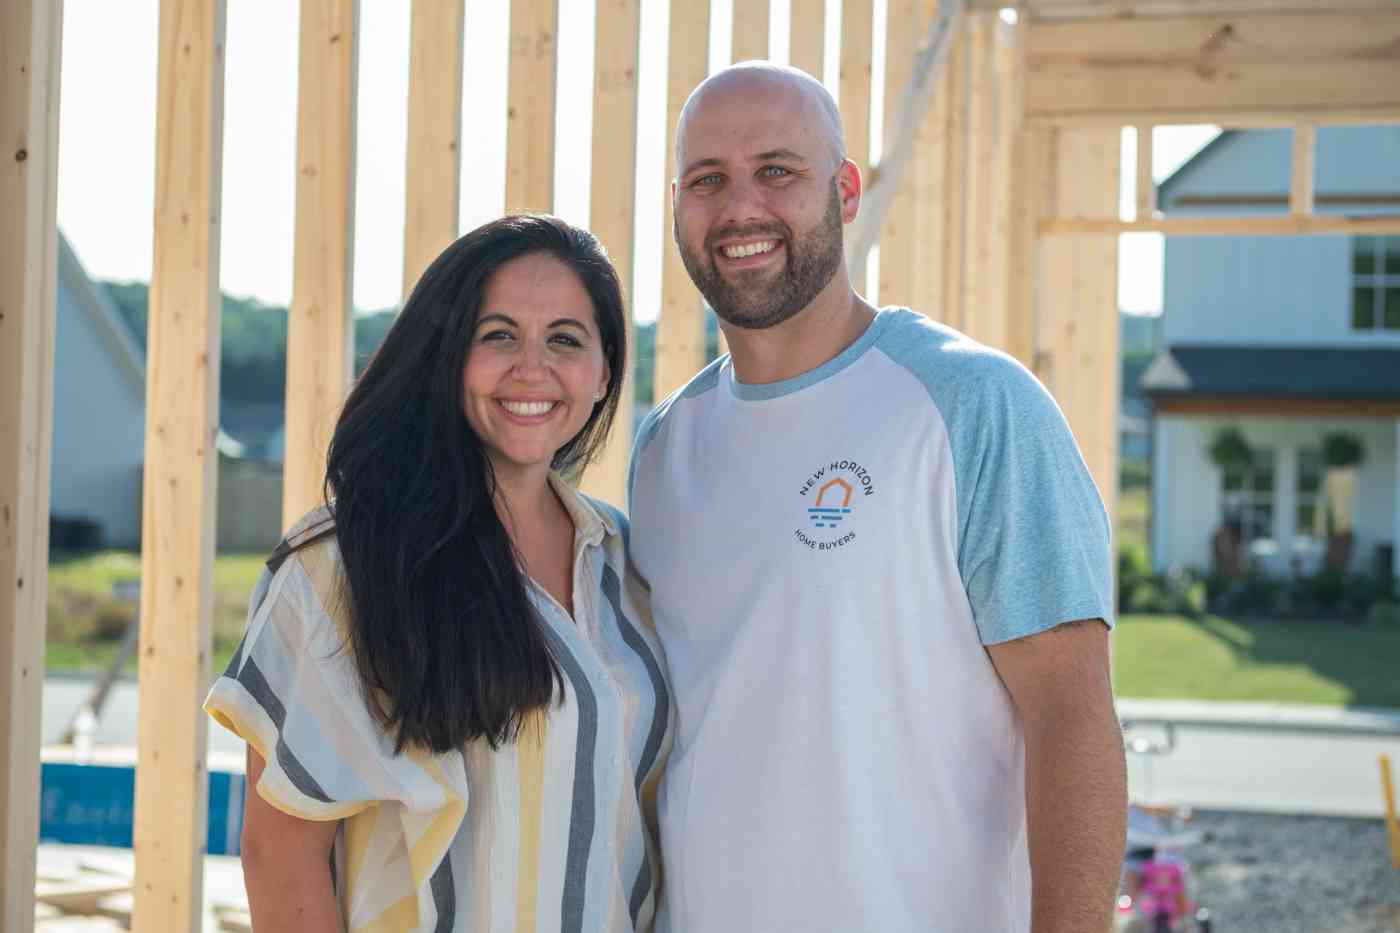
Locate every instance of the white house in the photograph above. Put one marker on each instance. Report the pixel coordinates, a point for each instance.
(1286, 338)
(99, 404)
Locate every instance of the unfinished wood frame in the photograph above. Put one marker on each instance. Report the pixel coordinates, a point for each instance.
(177, 531)
(1302, 192)
(857, 66)
(1146, 184)
(1265, 225)
(749, 29)
(1077, 298)
(320, 326)
(534, 42)
(680, 333)
(1218, 68)
(613, 206)
(434, 174)
(30, 42)
(807, 29)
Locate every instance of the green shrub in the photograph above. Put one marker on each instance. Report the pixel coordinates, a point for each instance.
(1384, 612)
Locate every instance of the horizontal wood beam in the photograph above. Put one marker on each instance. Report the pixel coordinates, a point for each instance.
(1257, 405)
(1227, 66)
(1337, 199)
(1084, 9)
(1284, 224)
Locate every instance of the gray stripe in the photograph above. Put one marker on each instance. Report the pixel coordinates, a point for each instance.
(444, 895)
(251, 677)
(612, 589)
(583, 817)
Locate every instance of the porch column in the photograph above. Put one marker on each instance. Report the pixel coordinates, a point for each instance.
(1395, 512)
(1286, 506)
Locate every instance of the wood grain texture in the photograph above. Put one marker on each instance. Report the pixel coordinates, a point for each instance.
(613, 205)
(1239, 64)
(750, 30)
(857, 65)
(1146, 185)
(30, 42)
(178, 508)
(680, 337)
(1276, 225)
(1303, 191)
(534, 46)
(905, 24)
(434, 176)
(807, 28)
(320, 331)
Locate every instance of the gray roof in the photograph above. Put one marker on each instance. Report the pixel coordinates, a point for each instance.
(1342, 373)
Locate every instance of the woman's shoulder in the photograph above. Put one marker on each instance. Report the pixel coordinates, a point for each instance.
(309, 555)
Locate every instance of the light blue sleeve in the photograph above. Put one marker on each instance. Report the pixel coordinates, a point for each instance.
(1034, 545)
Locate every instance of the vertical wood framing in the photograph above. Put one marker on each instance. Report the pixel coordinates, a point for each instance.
(30, 39)
(929, 195)
(1301, 193)
(1146, 185)
(534, 42)
(955, 202)
(1015, 338)
(177, 535)
(1031, 167)
(433, 189)
(750, 30)
(857, 66)
(981, 310)
(905, 23)
(613, 200)
(680, 336)
(808, 36)
(320, 330)
(1077, 304)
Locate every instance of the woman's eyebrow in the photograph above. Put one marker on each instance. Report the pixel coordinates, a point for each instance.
(570, 322)
(485, 318)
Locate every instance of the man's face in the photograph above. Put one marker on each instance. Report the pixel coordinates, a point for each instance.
(758, 203)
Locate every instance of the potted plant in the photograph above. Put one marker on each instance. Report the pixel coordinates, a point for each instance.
(1342, 453)
(1231, 453)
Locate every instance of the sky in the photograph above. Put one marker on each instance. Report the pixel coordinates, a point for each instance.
(107, 140)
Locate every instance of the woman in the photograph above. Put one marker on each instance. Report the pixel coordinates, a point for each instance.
(453, 700)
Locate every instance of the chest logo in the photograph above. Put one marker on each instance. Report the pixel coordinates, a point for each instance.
(832, 494)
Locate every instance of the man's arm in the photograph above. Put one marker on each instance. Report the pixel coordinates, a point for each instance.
(1076, 777)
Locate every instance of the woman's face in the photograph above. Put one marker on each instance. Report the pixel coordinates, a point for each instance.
(535, 367)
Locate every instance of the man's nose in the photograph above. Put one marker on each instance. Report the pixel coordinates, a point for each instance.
(745, 203)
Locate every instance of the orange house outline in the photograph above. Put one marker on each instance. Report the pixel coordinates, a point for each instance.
(846, 502)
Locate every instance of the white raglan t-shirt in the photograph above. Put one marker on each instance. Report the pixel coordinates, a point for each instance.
(828, 557)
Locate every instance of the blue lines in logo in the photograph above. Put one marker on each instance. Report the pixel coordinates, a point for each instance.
(827, 518)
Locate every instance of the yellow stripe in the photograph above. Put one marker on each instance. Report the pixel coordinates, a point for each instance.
(530, 753)
(399, 916)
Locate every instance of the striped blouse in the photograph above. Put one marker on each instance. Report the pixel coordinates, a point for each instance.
(555, 832)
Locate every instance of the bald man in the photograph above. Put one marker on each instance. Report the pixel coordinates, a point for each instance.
(880, 571)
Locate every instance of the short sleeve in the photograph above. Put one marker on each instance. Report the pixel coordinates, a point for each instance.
(1034, 544)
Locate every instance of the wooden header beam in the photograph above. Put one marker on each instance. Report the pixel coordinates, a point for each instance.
(177, 530)
(1339, 66)
(1277, 224)
(30, 41)
(1100, 9)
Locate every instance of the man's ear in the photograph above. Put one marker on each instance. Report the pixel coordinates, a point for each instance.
(850, 188)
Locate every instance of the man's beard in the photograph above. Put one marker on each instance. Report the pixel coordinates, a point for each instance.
(812, 260)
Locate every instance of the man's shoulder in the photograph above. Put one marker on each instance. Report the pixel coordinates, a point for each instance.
(700, 384)
(953, 368)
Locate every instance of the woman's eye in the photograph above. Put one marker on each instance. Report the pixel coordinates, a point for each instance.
(493, 336)
(567, 340)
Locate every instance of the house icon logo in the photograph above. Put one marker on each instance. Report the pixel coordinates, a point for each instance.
(833, 503)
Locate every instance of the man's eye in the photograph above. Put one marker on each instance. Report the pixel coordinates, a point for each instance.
(774, 171)
(707, 181)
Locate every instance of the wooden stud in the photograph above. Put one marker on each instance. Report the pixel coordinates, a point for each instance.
(1302, 192)
(1031, 166)
(1381, 225)
(750, 30)
(320, 330)
(982, 309)
(930, 193)
(534, 35)
(30, 48)
(182, 403)
(613, 202)
(1146, 184)
(904, 25)
(680, 337)
(433, 189)
(808, 31)
(1077, 303)
(1392, 822)
(1241, 64)
(857, 66)
(955, 202)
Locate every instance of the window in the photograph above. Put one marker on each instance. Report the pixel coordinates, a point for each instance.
(1312, 519)
(1375, 283)
(1248, 497)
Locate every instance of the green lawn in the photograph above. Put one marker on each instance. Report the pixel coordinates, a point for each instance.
(1335, 664)
(85, 621)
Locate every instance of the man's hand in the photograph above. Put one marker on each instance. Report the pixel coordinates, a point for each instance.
(1076, 778)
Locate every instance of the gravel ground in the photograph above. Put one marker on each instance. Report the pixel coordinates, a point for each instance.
(1260, 873)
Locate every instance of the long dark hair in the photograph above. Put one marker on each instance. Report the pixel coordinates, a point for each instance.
(447, 644)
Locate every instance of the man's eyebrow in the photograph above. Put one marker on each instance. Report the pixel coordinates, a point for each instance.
(783, 154)
(700, 163)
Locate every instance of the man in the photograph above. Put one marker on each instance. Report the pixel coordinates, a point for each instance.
(881, 575)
